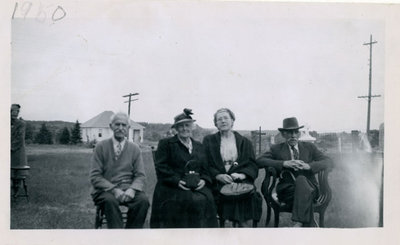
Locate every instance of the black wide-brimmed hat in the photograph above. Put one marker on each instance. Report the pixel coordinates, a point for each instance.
(183, 117)
(290, 123)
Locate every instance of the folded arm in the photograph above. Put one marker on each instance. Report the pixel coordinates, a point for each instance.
(267, 159)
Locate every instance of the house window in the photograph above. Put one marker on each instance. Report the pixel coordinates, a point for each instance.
(100, 132)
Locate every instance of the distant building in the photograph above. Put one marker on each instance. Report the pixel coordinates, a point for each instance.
(98, 128)
(305, 135)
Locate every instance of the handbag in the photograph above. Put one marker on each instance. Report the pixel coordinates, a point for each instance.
(237, 190)
(191, 177)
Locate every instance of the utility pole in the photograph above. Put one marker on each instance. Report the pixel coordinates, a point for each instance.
(129, 105)
(368, 124)
(369, 96)
(258, 133)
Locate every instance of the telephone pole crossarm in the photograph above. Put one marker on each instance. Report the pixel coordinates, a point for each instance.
(129, 95)
(366, 96)
(130, 100)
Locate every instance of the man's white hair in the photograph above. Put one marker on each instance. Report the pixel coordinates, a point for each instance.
(119, 115)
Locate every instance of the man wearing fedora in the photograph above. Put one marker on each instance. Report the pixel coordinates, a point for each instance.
(296, 162)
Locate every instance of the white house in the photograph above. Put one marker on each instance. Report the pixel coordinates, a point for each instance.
(98, 128)
(305, 135)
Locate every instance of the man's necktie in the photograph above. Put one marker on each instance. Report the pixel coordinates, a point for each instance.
(119, 150)
(295, 153)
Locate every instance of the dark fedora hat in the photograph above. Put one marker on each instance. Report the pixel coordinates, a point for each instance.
(183, 117)
(290, 123)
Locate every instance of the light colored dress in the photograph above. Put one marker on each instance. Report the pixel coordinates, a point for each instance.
(228, 151)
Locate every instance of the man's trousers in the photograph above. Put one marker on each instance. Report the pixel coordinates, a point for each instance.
(137, 210)
(299, 193)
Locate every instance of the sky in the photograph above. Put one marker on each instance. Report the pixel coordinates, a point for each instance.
(264, 61)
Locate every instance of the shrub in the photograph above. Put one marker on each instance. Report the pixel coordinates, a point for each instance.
(44, 136)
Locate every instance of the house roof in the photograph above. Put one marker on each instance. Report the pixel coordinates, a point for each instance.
(103, 120)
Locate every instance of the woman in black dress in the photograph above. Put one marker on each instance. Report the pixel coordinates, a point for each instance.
(182, 196)
(231, 159)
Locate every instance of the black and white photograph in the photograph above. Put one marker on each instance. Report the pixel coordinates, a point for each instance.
(229, 118)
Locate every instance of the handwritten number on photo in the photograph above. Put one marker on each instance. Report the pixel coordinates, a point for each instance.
(58, 14)
(26, 7)
(15, 9)
(55, 11)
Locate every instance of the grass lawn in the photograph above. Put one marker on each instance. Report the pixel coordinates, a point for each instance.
(59, 190)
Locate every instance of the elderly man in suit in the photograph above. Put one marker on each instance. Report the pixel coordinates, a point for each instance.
(297, 162)
(117, 176)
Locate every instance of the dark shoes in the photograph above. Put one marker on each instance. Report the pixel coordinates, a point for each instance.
(312, 224)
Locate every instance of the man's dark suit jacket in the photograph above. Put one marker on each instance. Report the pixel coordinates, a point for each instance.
(308, 153)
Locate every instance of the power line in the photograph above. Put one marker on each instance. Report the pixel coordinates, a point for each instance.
(130, 95)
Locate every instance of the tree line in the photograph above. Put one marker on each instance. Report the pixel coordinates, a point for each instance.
(46, 136)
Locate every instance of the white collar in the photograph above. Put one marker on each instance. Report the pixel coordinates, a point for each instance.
(116, 142)
(188, 145)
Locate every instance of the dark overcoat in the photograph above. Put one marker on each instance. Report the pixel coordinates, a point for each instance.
(18, 156)
(308, 153)
(246, 158)
(235, 210)
(170, 160)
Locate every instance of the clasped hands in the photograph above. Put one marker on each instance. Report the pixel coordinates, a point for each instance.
(296, 165)
(182, 185)
(124, 196)
(227, 179)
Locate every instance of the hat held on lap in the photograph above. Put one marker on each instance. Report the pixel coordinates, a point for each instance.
(183, 117)
(290, 123)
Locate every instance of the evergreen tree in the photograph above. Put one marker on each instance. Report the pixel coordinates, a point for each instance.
(76, 133)
(65, 136)
(44, 136)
